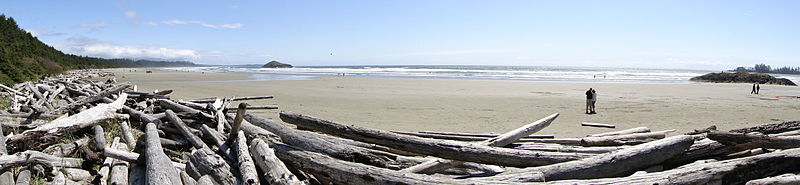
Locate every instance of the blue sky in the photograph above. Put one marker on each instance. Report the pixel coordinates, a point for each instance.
(647, 34)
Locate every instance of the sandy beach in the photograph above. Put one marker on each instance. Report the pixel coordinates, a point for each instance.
(489, 105)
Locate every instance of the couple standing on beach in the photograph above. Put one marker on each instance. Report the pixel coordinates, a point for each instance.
(756, 88)
(591, 99)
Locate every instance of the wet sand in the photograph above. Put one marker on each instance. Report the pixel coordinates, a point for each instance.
(489, 105)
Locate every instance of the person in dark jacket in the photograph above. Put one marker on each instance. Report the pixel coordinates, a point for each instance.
(754, 89)
(589, 96)
(758, 88)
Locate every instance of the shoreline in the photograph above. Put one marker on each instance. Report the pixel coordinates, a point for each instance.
(497, 106)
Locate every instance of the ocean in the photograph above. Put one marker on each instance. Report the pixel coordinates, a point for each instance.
(523, 73)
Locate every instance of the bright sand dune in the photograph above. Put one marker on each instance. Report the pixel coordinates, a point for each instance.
(489, 106)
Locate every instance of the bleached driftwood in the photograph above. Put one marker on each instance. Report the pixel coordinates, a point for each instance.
(105, 170)
(119, 169)
(245, 162)
(90, 117)
(159, 169)
(622, 139)
(434, 166)
(274, 171)
(786, 179)
(751, 141)
(208, 163)
(484, 135)
(31, 156)
(773, 128)
(618, 163)
(734, 171)
(622, 132)
(440, 148)
(178, 123)
(89, 99)
(586, 124)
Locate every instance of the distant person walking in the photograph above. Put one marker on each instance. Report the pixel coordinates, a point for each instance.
(758, 88)
(754, 89)
(591, 99)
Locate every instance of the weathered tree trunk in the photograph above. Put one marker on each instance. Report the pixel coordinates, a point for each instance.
(567, 148)
(622, 132)
(127, 134)
(178, 123)
(622, 162)
(484, 135)
(30, 156)
(108, 92)
(119, 169)
(788, 179)
(105, 170)
(440, 148)
(275, 172)
(254, 107)
(622, 139)
(187, 180)
(209, 100)
(169, 104)
(433, 166)
(750, 141)
(208, 163)
(159, 169)
(206, 180)
(24, 176)
(323, 144)
(90, 117)
(734, 171)
(245, 163)
(343, 172)
(237, 122)
(585, 124)
(773, 128)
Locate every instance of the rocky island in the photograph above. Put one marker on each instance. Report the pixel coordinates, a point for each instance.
(276, 64)
(742, 77)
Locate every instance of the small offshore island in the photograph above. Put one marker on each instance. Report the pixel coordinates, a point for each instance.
(276, 64)
(743, 77)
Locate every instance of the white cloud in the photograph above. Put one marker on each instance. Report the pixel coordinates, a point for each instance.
(94, 25)
(90, 47)
(33, 32)
(39, 33)
(151, 23)
(203, 24)
(131, 14)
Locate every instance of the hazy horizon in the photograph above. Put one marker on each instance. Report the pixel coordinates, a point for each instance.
(707, 35)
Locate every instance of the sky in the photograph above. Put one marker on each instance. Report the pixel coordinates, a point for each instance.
(690, 34)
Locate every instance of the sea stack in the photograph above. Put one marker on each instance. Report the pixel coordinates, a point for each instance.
(276, 64)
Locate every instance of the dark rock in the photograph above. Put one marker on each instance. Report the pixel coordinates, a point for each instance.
(742, 77)
(276, 64)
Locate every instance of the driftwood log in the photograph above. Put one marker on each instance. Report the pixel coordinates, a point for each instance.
(734, 171)
(750, 141)
(586, 124)
(247, 168)
(274, 171)
(772, 128)
(622, 132)
(439, 148)
(434, 166)
(158, 167)
(208, 163)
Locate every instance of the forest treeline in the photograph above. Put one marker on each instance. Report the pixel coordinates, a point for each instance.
(23, 57)
(764, 68)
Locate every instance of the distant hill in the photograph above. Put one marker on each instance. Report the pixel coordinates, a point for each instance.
(276, 64)
(742, 77)
(23, 57)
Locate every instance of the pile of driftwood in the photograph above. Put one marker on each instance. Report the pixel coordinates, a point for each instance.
(110, 133)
